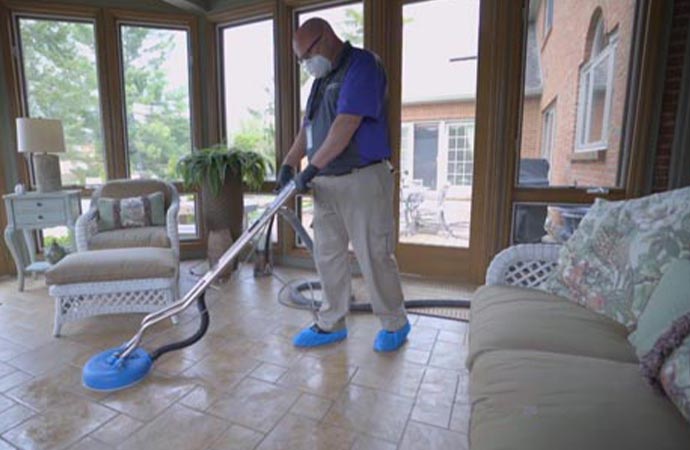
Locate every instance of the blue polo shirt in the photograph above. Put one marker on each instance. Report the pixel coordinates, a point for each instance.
(356, 85)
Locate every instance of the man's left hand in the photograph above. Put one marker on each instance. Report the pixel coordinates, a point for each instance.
(303, 179)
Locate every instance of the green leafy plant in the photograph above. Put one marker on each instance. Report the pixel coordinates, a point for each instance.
(213, 163)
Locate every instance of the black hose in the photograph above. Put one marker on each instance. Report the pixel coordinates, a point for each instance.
(300, 300)
(205, 318)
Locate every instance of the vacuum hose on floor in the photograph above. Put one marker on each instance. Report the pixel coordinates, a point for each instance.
(203, 327)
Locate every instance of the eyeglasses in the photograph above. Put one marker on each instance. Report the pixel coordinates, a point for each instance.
(307, 54)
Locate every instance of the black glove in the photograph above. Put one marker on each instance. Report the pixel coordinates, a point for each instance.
(285, 174)
(303, 178)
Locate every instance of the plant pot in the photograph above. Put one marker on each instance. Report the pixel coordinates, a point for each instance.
(223, 218)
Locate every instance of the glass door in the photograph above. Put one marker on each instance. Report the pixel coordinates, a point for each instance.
(439, 77)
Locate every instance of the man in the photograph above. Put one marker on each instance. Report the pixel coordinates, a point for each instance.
(345, 137)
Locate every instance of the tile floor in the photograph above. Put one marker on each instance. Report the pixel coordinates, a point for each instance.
(243, 386)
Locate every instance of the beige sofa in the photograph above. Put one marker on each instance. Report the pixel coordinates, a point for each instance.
(546, 373)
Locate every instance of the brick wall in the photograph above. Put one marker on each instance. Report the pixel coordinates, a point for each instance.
(531, 128)
(563, 51)
(671, 92)
(421, 112)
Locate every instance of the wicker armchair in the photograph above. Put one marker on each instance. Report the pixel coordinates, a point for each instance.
(525, 265)
(89, 238)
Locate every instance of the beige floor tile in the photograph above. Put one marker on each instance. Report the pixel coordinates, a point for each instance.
(276, 350)
(237, 437)
(147, 399)
(5, 403)
(14, 416)
(324, 378)
(255, 404)
(178, 427)
(453, 337)
(420, 436)
(448, 356)
(4, 445)
(268, 372)
(442, 324)
(311, 406)
(370, 443)
(47, 357)
(117, 429)
(401, 380)
(296, 432)
(372, 412)
(222, 371)
(201, 397)
(89, 443)
(460, 418)
(6, 369)
(58, 386)
(416, 356)
(13, 380)
(433, 409)
(59, 426)
(422, 338)
(173, 364)
(9, 350)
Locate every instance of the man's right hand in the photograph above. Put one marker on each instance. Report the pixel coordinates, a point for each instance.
(285, 175)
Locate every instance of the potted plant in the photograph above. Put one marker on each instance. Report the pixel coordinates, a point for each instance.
(219, 173)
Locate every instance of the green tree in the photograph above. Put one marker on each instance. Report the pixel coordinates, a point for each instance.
(62, 83)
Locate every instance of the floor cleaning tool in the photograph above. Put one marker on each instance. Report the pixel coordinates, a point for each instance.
(124, 366)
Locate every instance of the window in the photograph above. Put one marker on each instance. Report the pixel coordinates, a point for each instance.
(58, 61)
(548, 16)
(460, 154)
(249, 87)
(348, 23)
(548, 130)
(155, 62)
(596, 86)
(586, 67)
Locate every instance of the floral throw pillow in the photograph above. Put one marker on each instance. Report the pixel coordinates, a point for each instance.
(662, 235)
(675, 378)
(593, 265)
(616, 257)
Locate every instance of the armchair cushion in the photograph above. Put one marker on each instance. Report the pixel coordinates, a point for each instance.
(113, 265)
(130, 237)
(141, 211)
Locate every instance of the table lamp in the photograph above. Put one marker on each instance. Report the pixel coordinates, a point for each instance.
(40, 137)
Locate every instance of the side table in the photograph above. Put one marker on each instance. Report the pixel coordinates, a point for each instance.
(34, 211)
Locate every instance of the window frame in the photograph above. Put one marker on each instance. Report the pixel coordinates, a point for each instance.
(466, 124)
(548, 125)
(585, 94)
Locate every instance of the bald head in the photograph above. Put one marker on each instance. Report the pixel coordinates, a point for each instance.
(316, 36)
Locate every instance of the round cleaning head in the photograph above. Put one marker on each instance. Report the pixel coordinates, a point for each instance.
(106, 372)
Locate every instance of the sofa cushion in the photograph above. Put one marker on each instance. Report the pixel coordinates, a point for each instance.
(675, 378)
(113, 265)
(508, 317)
(536, 400)
(130, 237)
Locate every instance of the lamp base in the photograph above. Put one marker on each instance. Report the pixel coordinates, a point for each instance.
(47, 171)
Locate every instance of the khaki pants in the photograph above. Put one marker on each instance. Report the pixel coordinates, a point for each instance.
(357, 207)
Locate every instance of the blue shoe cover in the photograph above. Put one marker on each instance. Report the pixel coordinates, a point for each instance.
(314, 337)
(390, 341)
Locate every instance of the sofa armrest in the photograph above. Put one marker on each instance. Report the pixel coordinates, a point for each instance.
(526, 265)
(86, 226)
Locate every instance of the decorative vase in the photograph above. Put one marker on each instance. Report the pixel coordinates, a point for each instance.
(55, 253)
(19, 189)
(223, 219)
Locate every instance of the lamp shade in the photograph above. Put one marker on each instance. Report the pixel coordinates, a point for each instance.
(40, 135)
